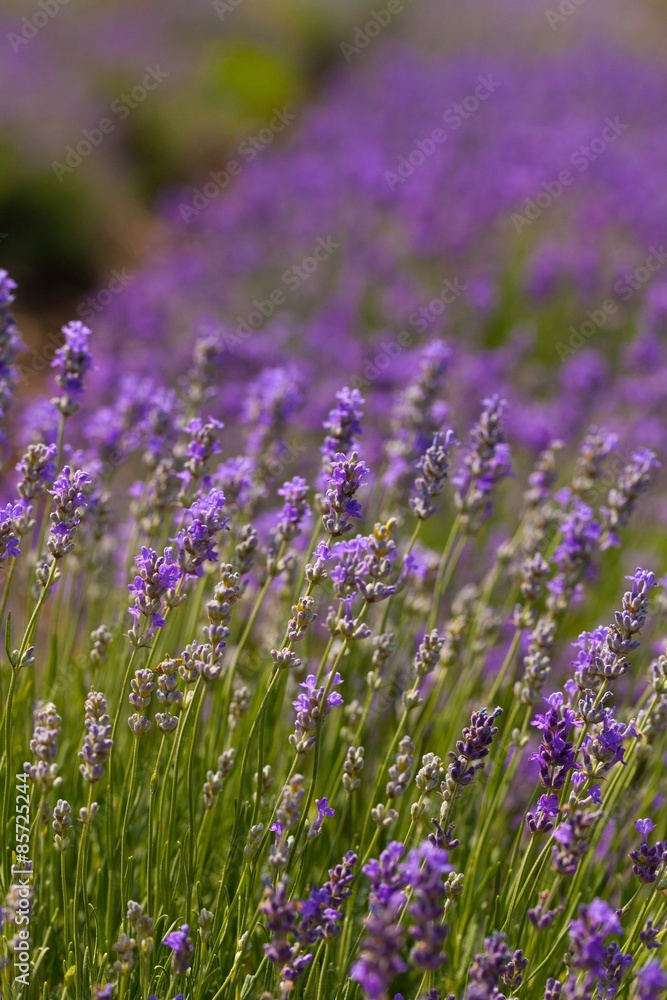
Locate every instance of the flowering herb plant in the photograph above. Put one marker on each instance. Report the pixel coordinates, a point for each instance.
(321, 736)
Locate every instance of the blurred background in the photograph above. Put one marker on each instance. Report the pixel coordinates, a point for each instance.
(227, 65)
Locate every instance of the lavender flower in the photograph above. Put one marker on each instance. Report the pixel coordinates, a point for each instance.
(281, 916)
(153, 589)
(556, 754)
(321, 912)
(343, 427)
(647, 861)
(632, 483)
(97, 742)
(38, 470)
(424, 870)
(380, 959)
(589, 954)
(195, 543)
(472, 748)
(486, 464)
(580, 540)
(72, 360)
(70, 495)
(10, 345)
(651, 982)
(183, 949)
(347, 475)
(44, 745)
(10, 517)
(488, 968)
(312, 710)
(433, 467)
(295, 508)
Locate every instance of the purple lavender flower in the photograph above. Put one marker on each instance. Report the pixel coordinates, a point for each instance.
(424, 869)
(647, 861)
(347, 475)
(540, 821)
(433, 467)
(70, 495)
(44, 745)
(195, 543)
(97, 743)
(10, 345)
(310, 712)
(416, 416)
(343, 427)
(183, 949)
(556, 754)
(486, 464)
(380, 959)
(488, 968)
(10, 516)
(321, 912)
(153, 588)
(651, 982)
(38, 470)
(72, 360)
(323, 810)
(282, 921)
(595, 963)
(295, 508)
(632, 483)
(580, 540)
(202, 446)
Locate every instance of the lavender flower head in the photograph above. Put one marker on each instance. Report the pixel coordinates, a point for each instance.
(380, 959)
(183, 949)
(433, 467)
(295, 494)
(311, 711)
(343, 427)
(652, 982)
(195, 543)
(647, 861)
(153, 588)
(72, 360)
(97, 742)
(10, 345)
(486, 464)
(10, 518)
(424, 870)
(347, 475)
(70, 496)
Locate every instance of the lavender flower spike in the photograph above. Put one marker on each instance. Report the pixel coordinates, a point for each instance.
(70, 495)
(433, 467)
(347, 475)
(487, 462)
(183, 949)
(72, 360)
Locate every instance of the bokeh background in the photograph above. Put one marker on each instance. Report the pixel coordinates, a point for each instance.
(228, 66)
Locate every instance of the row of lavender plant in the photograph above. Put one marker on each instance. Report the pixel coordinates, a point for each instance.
(322, 739)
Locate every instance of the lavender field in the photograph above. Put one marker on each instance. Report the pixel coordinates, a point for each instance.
(333, 543)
